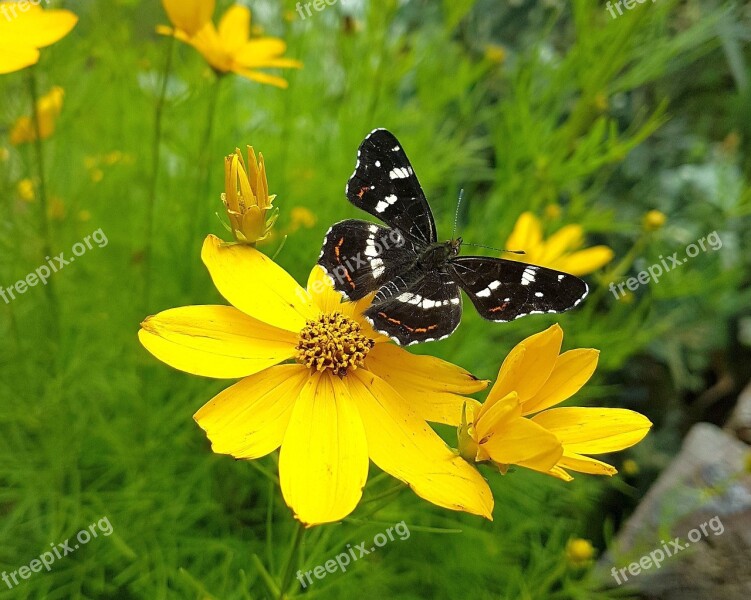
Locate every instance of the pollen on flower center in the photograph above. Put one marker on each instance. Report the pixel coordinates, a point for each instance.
(334, 342)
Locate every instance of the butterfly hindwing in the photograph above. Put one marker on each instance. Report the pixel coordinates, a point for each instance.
(420, 306)
(504, 290)
(385, 185)
(360, 256)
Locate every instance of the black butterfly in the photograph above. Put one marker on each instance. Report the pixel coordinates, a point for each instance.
(415, 277)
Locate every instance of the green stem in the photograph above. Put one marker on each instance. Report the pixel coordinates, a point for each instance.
(289, 569)
(155, 167)
(200, 220)
(43, 203)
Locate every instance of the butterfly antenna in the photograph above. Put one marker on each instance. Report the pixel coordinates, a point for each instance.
(456, 215)
(496, 249)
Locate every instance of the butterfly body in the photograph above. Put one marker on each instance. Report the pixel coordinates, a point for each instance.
(417, 280)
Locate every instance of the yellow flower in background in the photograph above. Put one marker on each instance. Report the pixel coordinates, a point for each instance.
(49, 108)
(495, 53)
(579, 552)
(561, 251)
(301, 217)
(230, 49)
(246, 197)
(25, 189)
(630, 467)
(317, 381)
(654, 220)
(25, 28)
(189, 16)
(516, 424)
(4, 154)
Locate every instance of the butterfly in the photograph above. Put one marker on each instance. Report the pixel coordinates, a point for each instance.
(417, 279)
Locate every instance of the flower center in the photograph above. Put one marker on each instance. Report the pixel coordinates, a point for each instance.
(334, 342)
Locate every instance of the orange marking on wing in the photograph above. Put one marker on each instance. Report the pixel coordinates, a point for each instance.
(499, 308)
(426, 329)
(337, 252)
(361, 193)
(395, 321)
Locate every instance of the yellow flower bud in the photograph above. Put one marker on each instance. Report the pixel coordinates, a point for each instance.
(579, 552)
(654, 220)
(630, 467)
(246, 198)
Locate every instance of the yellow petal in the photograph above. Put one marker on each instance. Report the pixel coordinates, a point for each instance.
(560, 474)
(571, 371)
(256, 285)
(528, 365)
(234, 28)
(584, 464)
(14, 58)
(403, 445)
(321, 290)
(34, 27)
(492, 417)
(248, 419)
(562, 241)
(208, 43)
(323, 463)
(432, 386)
(595, 430)
(215, 341)
(189, 15)
(267, 47)
(527, 233)
(523, 442)
(586, 261)
(260, 77)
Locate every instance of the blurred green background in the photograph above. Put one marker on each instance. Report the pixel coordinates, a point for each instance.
(552, 107)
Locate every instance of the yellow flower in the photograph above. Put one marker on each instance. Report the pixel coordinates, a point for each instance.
(301, 217)
(189, 16)
(25, 189)
(561, 251)
(96, 175)
(4, 154)
(318, 382)
(495, 53)
(654, 220)
(230, 49)
(246, 197)
(630, 467)
(533, 378)
(48, 109)
(25, 28)
(579, 552)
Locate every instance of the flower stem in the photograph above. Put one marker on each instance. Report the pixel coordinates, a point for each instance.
(42, 187)
(201, 211)
(155, 165)
(292, 561)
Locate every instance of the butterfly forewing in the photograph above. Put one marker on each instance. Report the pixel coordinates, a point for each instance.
(504, 290)
(385, 185)
(417, 307)
(360, 257)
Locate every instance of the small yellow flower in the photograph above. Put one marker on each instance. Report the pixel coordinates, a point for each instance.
(96, 175)
(84, 216)
(25, 189)
(579, 552)
(246, 197)
(516, 424)
(495, 53)
(318, 382)
(189, 16)
(25, 28)
(4, 154)
(230, 49)
(654, 220)
(561, 251)
(301, 217)
(48, 109)
(114, 157)
(630, 467)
